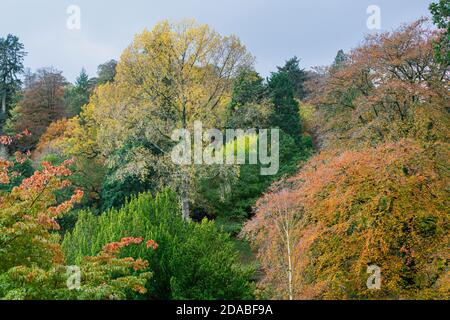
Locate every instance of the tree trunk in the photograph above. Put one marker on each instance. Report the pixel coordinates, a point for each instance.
(289, 255)
(185, 178)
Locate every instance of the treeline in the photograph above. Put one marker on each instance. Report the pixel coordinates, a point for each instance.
(377, 192)
(86, 176)
(86, 160)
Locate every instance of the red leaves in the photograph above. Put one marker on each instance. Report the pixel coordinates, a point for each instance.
(115, 247)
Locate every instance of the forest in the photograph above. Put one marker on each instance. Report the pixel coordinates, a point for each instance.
(92, 207)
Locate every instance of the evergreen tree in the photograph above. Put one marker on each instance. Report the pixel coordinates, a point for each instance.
(78, 95)
(248, 87)
(193, 261)
(340, 60)
(11, 66)
(286, 114)
(297, 76)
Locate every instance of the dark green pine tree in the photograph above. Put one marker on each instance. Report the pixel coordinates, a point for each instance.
(11, 66)
(285, 115)
(297, 76)
(339, 61)
(78, 95)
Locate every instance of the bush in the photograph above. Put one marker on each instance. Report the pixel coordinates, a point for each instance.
(193, 261)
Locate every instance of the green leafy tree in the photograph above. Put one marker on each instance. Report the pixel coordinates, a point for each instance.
(441, 18)
(248, 87)
(106, 72)
(339, 61)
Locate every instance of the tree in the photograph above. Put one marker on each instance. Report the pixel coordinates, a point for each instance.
(31, 258)
(106, 276)
(441, 18)
(66, 139)
(41, 104)
(28, 214)
(11, 66)
(248, 87)
(340, 60)
(193, 260)
(286, 113)
(276, 224)
(78, 95)
(186, 71)
(297, 76)
(106, 72)
(390, 88)
(347, 210)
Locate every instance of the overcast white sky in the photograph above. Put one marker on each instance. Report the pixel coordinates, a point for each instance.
(272, 30)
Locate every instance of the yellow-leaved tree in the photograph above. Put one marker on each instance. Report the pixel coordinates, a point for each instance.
(166, 79)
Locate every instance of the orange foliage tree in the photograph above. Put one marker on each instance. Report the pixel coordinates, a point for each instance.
(31, 259)
(386, 206)
(389, 88)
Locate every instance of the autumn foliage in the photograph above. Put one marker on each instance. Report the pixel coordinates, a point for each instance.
(377, 193)
(31, 259)
(389, 88)
(347, 210)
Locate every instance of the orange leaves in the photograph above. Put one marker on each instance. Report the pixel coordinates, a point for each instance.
(5, 140)
(386, 205)
(390, 88)
(20, 158)
(28, 213)
(151, 244)
(66, 205)
(115, 247)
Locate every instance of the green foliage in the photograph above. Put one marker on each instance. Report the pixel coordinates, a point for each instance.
(11, 66)
(237, 205)
(297, 76)
(441, 18)
(212, 276)
(106, 72)
(23, 170)
(187, 251)
(123, 178)
(286, 109)
(248, 87)
(78, 95)
(104, 277)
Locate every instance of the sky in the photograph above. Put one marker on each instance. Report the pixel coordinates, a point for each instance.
(272, 30)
